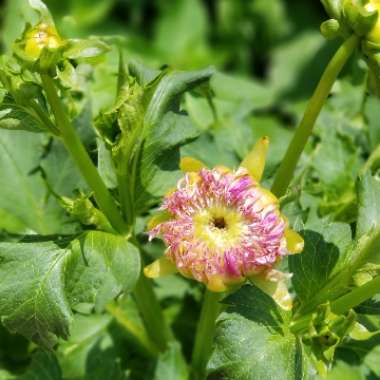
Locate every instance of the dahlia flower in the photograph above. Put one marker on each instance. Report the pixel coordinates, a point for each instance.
(222, 228)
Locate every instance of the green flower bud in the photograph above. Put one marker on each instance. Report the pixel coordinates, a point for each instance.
(330, 29)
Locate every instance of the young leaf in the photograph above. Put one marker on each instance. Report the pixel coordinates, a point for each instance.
(253, 342)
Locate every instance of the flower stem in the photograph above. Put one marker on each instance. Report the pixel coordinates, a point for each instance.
(145, 297)
(81, 157)
(205, 334)
(303, 132)
(151, 313)
(356, 296)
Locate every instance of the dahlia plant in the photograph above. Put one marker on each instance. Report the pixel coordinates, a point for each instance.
(286, 288)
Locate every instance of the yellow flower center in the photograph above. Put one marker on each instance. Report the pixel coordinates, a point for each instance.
(219, 227)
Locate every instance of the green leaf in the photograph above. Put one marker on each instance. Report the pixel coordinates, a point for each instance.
(253, 342)
(44, 367)
(85, 49)
(169, 88)
(32, 291)
(86, 332)
(313, 268)
(369, 204)
(241, 91)
(101, 266)
(17, 117)
(189, 19)
(159, 164)
(24, 195)
(171, 364)
(46, 281)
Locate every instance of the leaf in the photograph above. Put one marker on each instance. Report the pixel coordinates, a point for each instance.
(372, 113)
(16, 117)
(312, 269)
(101, 266)
(44, 367)
(105, 165)
(369, 204)
(86, 332)
(160, 157)
(241, 91)
(60, 170)
(171, 364)
(85, 49)
(24, 196)
(189, 19)
(253, 342)
(32, 291)
(171, 86)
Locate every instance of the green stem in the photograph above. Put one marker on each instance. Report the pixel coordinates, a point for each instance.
(303, 132)
(205, 334)
(151, 313)
(356, 296)
(81, 157)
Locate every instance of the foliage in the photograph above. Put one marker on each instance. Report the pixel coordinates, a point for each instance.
(156, 82)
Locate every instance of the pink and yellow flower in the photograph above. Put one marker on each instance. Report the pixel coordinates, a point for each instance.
(222, 228)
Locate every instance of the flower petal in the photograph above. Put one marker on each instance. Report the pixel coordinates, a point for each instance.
(254, 162)
(294, 241)
(161, 267)
(189, 164)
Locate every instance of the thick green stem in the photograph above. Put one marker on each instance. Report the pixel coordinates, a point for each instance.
(151, 313)
(205, 334)
(356, 296)
(303, 132)
(80, 156)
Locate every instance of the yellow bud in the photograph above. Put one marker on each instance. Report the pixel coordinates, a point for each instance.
(374, 34)
(42, 35)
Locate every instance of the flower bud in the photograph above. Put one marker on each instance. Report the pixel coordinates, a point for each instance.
(374, 34)
(222, 228)
(41, 36)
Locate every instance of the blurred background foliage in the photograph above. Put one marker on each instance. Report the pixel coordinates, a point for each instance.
(269, 55)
